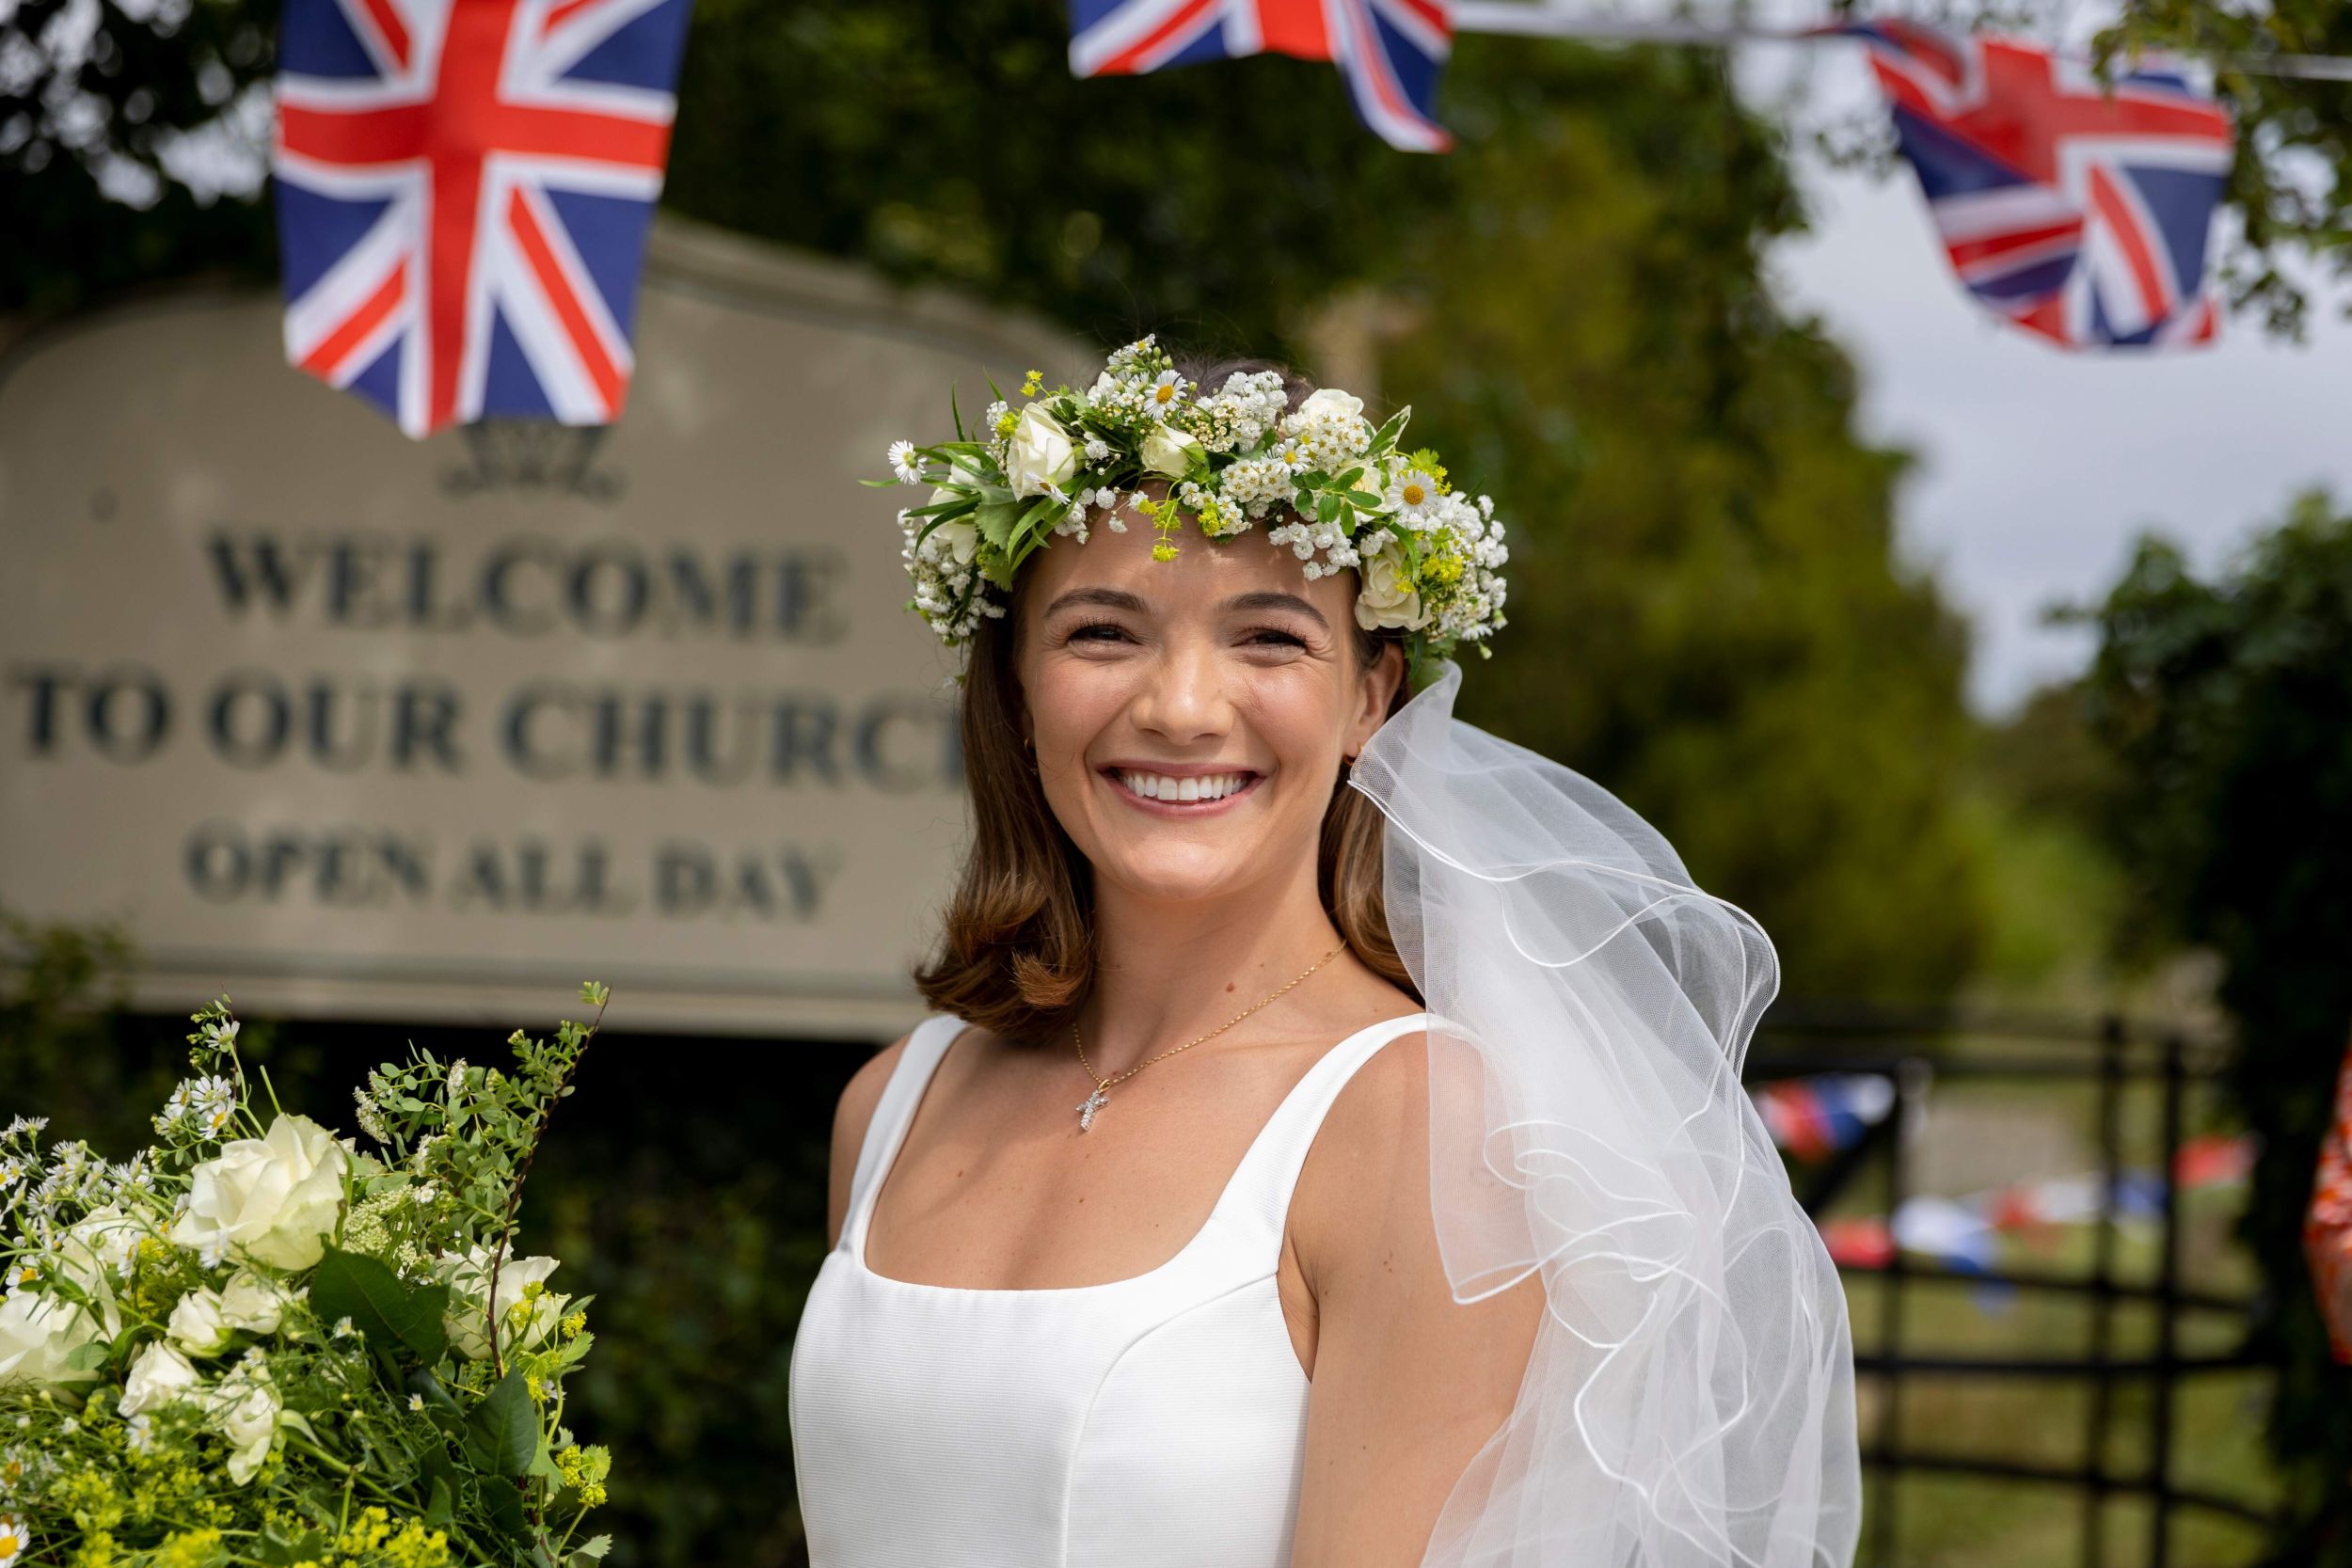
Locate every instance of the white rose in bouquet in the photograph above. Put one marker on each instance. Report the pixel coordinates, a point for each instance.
(1387, 596)
(197, 1324)
(246, 1409)
(94, 1254)
(272, 1197)
(468, 1321)
(99, 1247)
(159, 1375)
(252, 1304)
(1041, 455)
(38, 1335)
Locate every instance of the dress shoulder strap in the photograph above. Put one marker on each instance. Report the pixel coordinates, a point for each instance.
(1255, 1206)
(926, 1045)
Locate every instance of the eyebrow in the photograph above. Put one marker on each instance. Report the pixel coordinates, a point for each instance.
(1108, 598)
(1119, 598)
(1268, 598)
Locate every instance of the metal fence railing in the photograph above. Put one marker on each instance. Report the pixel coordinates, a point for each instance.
(2115, 1059)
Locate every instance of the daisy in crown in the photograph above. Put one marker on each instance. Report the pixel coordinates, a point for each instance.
(1142, 438)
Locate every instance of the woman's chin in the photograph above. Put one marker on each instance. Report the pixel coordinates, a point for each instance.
(1180, 872)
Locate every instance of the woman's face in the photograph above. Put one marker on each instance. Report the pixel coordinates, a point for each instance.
(1190, 716)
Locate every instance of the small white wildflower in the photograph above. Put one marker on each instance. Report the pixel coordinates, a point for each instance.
(1414, 499)
(204, 1103)
(902, 463)
(344, 1329)
(416, 1401)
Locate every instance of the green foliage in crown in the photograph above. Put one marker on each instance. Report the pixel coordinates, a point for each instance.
(1335, 491)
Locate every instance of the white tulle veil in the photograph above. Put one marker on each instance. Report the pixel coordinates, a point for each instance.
(1689, 1399)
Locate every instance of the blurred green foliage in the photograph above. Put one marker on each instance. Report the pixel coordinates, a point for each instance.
(2228, 704)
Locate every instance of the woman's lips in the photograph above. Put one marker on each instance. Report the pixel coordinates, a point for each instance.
(1132, 783)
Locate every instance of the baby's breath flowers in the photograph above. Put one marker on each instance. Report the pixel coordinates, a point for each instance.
(1335, 491)
(253, 1343)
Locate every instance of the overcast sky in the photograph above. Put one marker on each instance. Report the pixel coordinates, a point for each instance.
(2038, 469)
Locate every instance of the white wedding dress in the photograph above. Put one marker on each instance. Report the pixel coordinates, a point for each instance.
(1156, 1421)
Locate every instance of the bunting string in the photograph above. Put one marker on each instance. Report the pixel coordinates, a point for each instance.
(1523, 18)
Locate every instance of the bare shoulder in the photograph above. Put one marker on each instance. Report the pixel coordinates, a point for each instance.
(851, 1115)
(1366, 1175)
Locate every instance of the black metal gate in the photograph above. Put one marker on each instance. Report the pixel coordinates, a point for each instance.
(1914, 1051)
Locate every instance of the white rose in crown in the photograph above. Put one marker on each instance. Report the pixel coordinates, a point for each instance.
(1041, 455)
(1171, 451)
(958, 537)
(1387, 596)
(1329, 400)
(272, 1198)
(38, 1336)
(468, 1323)
(159, 1375)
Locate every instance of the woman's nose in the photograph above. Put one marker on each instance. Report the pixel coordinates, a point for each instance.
(1183, 695)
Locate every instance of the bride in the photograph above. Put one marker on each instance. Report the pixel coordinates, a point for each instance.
(1325, 1146)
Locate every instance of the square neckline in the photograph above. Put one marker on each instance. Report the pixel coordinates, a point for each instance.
(854, 1244)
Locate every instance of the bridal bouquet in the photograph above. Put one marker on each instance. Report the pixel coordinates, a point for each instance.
(254, 1342)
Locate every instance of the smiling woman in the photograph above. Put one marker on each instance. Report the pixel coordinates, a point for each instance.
(1413, 1231)
(1090, 627)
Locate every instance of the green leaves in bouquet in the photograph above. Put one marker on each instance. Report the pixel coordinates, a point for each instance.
(503, 1432)
(277, 1549)
(397, 1319)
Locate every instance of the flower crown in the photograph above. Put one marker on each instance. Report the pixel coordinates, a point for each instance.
(1428, 559)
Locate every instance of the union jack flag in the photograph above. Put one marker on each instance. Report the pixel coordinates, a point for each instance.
(464, 188)
(2077, 210)
(1388, 50)
(1815, 1117)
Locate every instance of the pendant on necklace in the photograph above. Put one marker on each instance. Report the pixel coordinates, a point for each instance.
(1086, 1108)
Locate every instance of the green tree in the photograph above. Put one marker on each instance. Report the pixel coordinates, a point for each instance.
(1706, 610)
(2229, 705)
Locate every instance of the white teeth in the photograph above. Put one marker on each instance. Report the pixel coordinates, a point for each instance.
(1156, 786)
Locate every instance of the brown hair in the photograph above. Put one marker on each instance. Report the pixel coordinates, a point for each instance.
(1016, 948)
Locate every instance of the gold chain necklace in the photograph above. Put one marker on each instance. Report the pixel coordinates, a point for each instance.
(1096, 1101)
